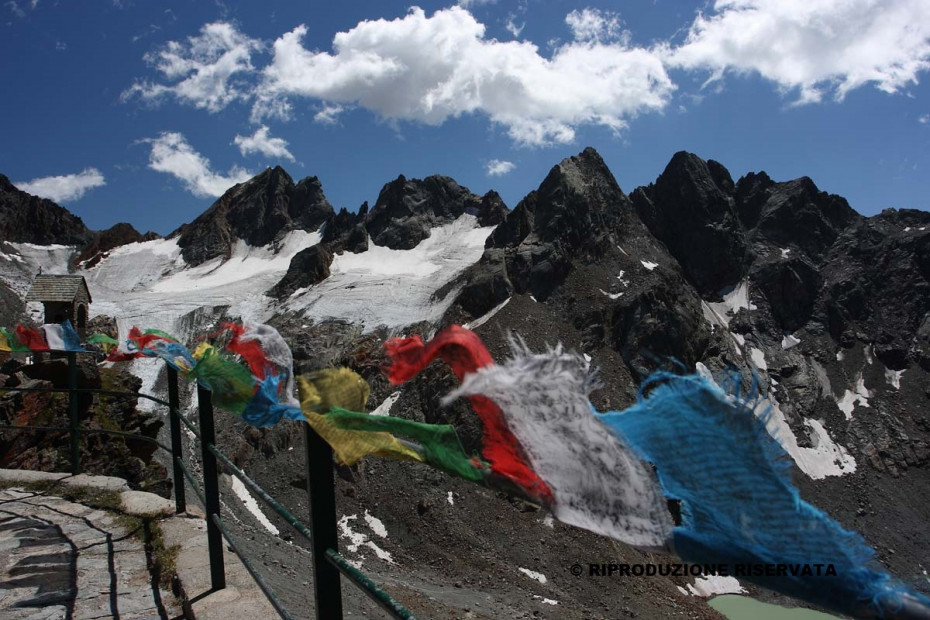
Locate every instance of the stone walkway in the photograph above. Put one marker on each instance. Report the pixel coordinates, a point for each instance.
(59, 559)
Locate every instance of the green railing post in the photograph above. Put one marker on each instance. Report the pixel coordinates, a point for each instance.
(174, 404)
(73, 411)
(211, 488)
(322, 490)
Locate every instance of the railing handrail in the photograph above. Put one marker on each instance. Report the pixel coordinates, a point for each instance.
(329, 564)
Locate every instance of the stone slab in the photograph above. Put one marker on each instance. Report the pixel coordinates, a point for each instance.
(25, 476)
(241, 598)
(103, 483)
(142, 504)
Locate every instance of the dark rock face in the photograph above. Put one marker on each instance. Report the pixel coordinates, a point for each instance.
(691, 209)
(406, 210)
(791, 287)
(794, 213)
(258, 211)
(308, 267)
(100, 243)
(877, 282)
(25, 218)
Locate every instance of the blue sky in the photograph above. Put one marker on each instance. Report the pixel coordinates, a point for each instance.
(124, 110)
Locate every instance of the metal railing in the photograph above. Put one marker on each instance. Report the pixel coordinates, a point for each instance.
(328, 564)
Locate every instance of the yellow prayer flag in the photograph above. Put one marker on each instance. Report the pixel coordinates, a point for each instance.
(322, 390)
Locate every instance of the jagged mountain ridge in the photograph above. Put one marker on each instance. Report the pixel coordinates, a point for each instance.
(693, 267)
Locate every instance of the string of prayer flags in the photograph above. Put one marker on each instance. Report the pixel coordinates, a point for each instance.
(464, 352)
(597, 482)
(739, 507)
(49, 337)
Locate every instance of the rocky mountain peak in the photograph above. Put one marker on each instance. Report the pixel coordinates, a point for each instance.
(691, 209)
(407, 209)
(578, 201)
(257, 211)
(25, 218)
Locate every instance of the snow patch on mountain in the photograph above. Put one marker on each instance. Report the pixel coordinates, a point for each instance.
(719, 313)
(487, 317)
(824, 458)
(893, 377)
(22, 261)
(395, 288)
(851, 398)
(151, 285)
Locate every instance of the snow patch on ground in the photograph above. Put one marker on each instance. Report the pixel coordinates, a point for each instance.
(611, 295)
(622, 281)
(851, 398)
(251, 505)
(385, 407)
(548, 520)
(357, 540)
(649, 265)
(712, 585)
(893, 377)
(487, 317)
(534, 575)
(784, 252)
(758, 358)
(450, 499)
(840, 356)
(867, 351)
(790, 341)
(544, 600)
(395, 287)
(375, 525)
(738, 338)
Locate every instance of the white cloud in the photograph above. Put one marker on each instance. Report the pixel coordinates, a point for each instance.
(329, 115)
(596, 25)
(262, 142)
(431, 69)
(65, 188)
(497, 167)
(204, 71)
(512, 26)
(815, 48)
(923, 120)
(172, 154)
(471, 3)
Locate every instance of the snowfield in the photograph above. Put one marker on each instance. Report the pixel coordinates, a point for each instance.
(394, 287)
(150, 285)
